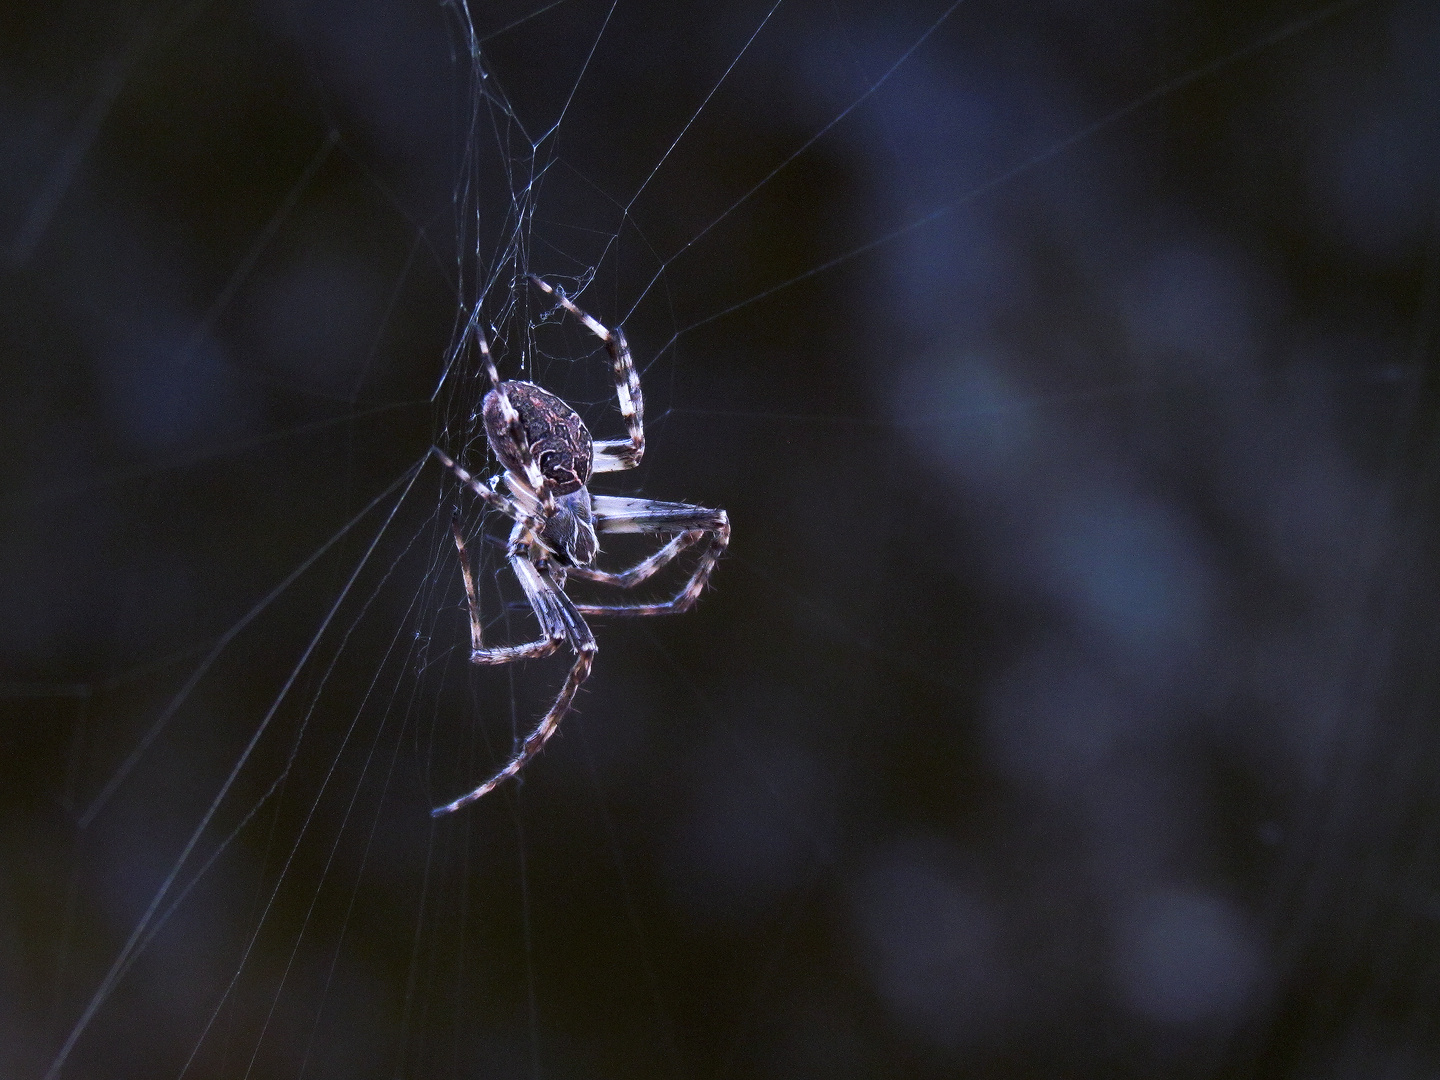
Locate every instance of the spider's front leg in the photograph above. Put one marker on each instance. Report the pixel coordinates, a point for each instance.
(616, 514)
(486, 492)
(515, 429)
(560, 624)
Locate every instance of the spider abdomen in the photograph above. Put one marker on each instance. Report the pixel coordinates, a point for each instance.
(559, 442)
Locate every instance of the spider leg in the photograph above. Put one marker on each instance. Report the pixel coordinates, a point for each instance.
(560, 624)
(613, 455)
(472, 600)
(514, 428)
(504, 654)
(488, 494)
(621, 514)
(645, 568)
(523, 508)
(617, 514)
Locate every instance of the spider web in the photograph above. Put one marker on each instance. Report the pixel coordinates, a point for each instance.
(1063, 706)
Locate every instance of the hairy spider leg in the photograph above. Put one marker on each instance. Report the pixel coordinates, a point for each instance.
(613, 455)
(617, 514)
(472, 598)
(522, 508)
(644, 569)
(560, 624)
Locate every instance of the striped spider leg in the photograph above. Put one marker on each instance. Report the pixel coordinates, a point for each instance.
(691, 524)
(613, 455)
(560, 624)
(549, 457)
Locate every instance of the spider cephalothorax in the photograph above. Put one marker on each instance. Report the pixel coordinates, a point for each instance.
(549, 457)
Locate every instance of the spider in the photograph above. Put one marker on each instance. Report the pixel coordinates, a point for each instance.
(549, 457)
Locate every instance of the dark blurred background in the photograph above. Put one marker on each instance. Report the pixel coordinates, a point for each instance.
(1066, 705)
